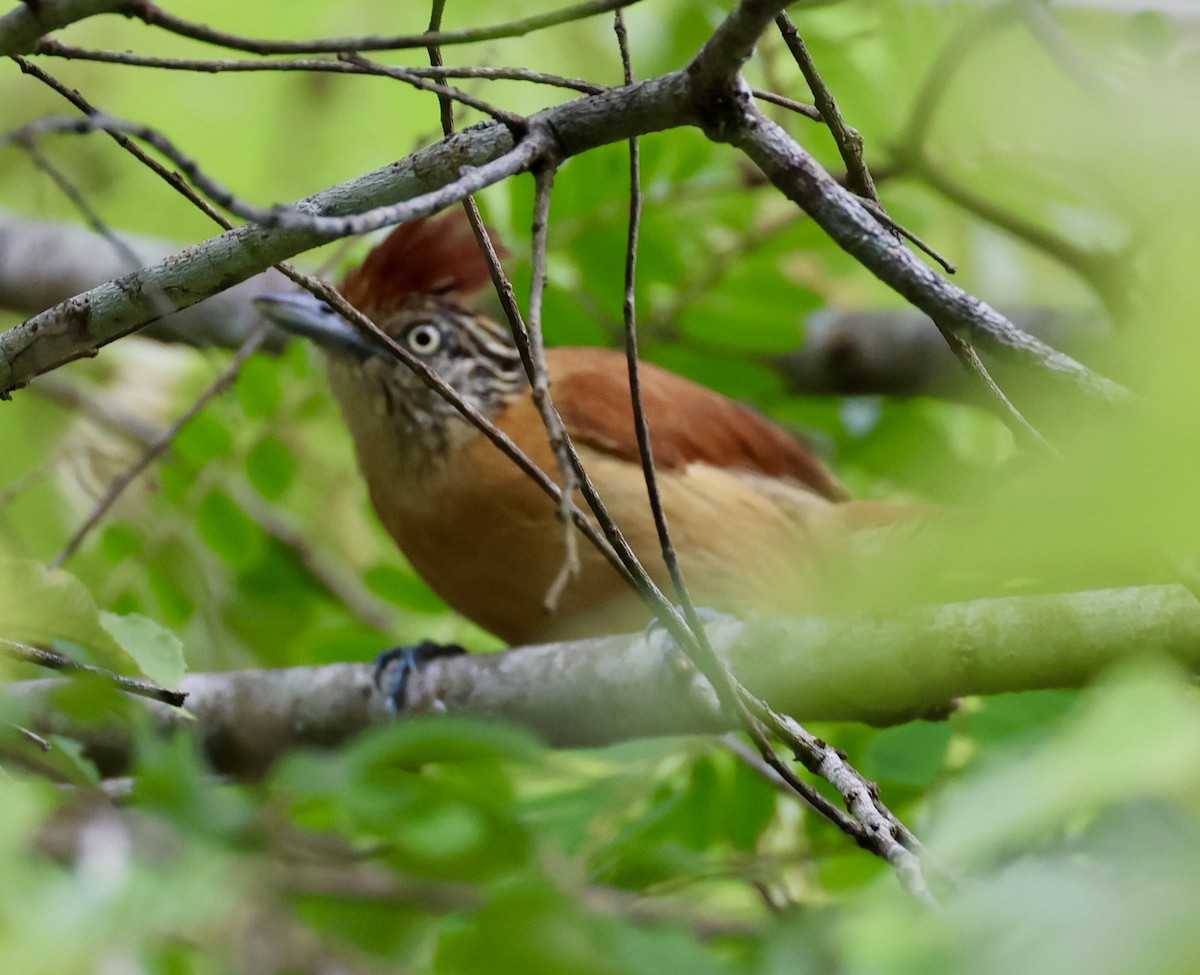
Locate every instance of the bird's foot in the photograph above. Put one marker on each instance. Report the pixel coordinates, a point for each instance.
(658, 636)
(655, 631)
(393, 668)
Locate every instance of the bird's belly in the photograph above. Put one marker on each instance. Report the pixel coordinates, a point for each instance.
(494, 555)
(496, 566)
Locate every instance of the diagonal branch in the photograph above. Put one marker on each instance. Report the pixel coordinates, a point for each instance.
(82, 324)
(794, 172)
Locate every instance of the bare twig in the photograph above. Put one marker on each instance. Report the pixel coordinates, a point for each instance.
(869, 825)
(156, 449)
(1024, 431)
(894, 225)
(445, 108)
(629, 313)
(540, 380)
(469, 413)
(49, 47)
(517, 124)
(31, 737)
(855, 229)
(520, 158)
(157, 17)
(847, 138)
(800, 108)
(51, 660)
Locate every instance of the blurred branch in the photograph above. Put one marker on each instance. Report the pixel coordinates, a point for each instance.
(594, 692)
(323, 567)
(155, 449)
(913, 156)
(45, 262)
(899, 352)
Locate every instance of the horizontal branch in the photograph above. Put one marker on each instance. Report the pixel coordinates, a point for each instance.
(899, 352)
(595, 692)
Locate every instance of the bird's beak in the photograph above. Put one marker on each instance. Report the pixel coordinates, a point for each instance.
(306, 315)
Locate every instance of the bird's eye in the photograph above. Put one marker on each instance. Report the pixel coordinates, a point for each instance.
(424, 338)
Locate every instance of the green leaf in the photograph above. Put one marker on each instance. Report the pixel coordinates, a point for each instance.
(405, 589)
(158, 651)
(40, 605)
(228, 531)
(258, 388)
(271, 467)
(909, 754)
(205, 438)
(437, 792)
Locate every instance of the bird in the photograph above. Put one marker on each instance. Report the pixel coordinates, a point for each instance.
(759, 524)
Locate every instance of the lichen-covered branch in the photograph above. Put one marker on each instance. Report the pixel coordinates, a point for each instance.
(709, 94)
(595, 692)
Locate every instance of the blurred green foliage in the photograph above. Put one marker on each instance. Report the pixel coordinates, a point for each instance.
(1071, 818)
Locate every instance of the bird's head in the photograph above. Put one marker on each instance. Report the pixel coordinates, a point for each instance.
(419, 287)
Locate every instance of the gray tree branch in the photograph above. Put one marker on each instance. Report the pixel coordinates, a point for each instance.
(43, 263)
(844, 352)
(594, 692)
(709, 93)
(23, 26)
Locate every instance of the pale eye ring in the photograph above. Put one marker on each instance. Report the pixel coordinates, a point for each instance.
(424, 338)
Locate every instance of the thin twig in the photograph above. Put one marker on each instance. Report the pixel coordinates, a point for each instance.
(49, 47)
(891, 223)
(468, 412)
(31, 737)
(800, 108)
(155, 16)
(523, 156)
(1024, 431)
(51, 660)
(641, 423)
(734, 698)
(177, 182)
(156, 449)
(850, 145)
(132, 262)
(848, 139)
(445, 108)
(541, 387)
(517, 124)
